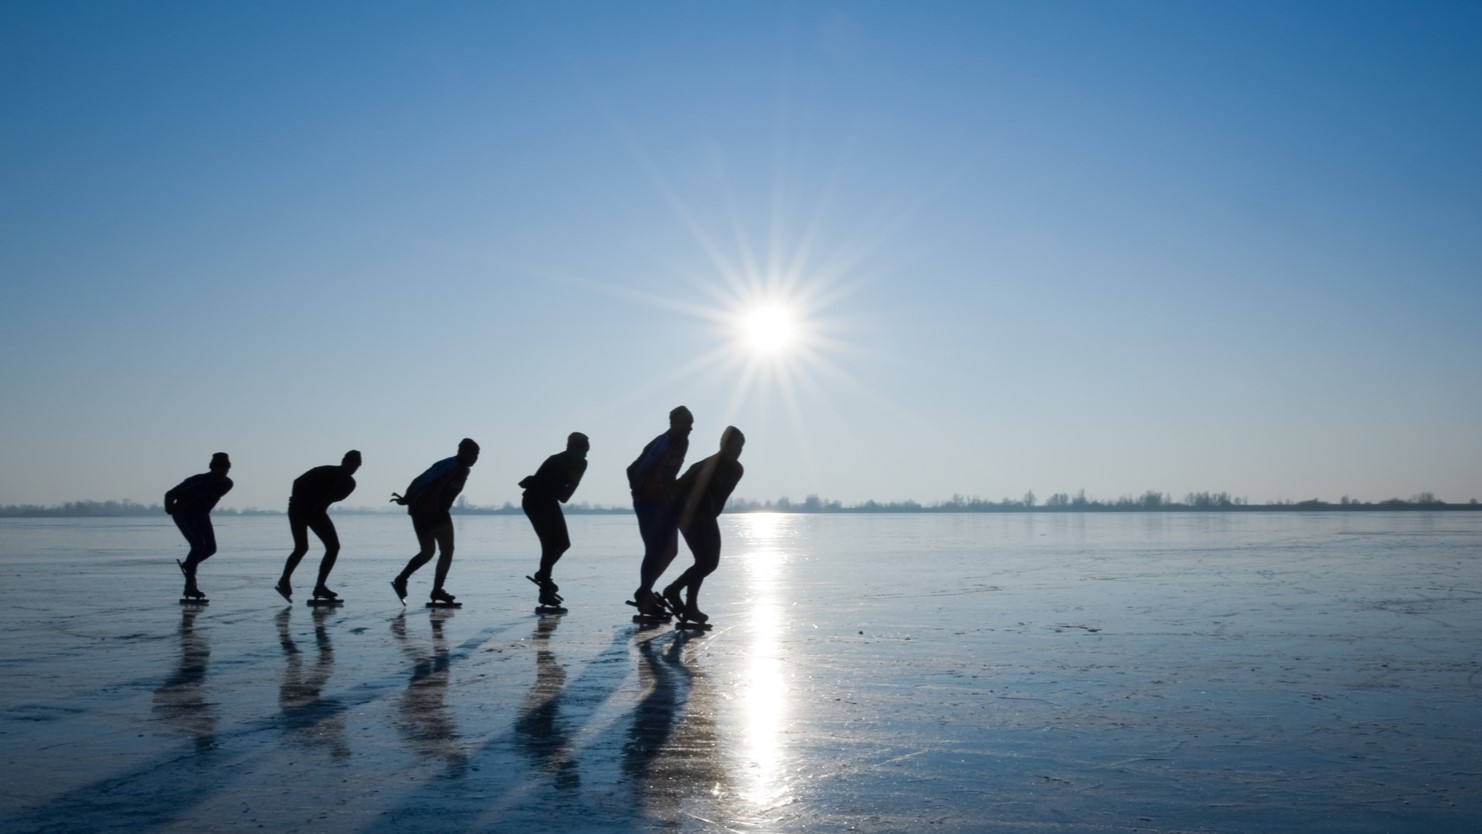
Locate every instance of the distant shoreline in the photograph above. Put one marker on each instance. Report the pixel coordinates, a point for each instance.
(129, 509)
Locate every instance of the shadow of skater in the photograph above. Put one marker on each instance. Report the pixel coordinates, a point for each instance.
(190, 504)
(551, 486)
(308, 509)
(651, 479)
(673, 752)
(422, 717)
(703, 491)
(180, 700)
(540, 731)
(429, 501)
(309, 719)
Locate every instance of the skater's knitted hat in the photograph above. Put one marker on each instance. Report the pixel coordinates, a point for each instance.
(221, 461)
(578, 440)
(681, 414)
(351, 458)
(467, 444)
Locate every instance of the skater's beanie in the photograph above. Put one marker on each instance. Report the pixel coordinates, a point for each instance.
(578, 440)
(681, 414)
(468, 445)
(352, 458)
(221, 461)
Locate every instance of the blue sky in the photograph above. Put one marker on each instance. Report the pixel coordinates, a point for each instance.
(1028, 246)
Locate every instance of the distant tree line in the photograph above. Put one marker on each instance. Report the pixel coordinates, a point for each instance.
(104, 509)
(1060, 502)
(1150, 501)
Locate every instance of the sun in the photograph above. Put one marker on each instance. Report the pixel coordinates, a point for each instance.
(767, 330)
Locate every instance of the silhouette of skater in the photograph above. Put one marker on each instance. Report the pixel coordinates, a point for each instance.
(308, 509)
(551, 486)
(651, 478)
(702, 492)
(428, 500)
(190, 504)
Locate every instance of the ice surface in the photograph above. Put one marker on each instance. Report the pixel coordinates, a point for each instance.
(1067, 673)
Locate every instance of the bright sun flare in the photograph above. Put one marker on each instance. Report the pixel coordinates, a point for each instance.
(768, 329)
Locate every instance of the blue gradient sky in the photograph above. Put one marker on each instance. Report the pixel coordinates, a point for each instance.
(1047, 246)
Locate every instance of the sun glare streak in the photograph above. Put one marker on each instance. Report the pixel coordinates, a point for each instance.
(766, 695)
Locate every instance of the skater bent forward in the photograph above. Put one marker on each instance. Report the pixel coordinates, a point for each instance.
(551, 486)
(703, 491)
(308, 509)
(190, 504)
(429, 500)
(651, 479)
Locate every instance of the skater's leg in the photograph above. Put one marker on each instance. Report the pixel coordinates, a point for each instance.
(703, 537)
(443, 532)
(324, 529)
(300, 529)
(659, 528)
(427, 544)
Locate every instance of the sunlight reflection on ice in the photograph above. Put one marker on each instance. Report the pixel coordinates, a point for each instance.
(766, 686)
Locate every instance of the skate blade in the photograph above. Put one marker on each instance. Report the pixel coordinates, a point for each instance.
(189, 601)
(436, 604)
(691, 625)
(549, 609)
(317, 601)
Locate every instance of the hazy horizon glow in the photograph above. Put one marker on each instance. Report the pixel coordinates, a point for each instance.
(1223, 247)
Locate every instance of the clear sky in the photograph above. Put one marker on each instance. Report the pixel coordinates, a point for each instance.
(1112, 246)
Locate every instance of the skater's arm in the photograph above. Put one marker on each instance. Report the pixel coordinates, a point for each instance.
(572, 471)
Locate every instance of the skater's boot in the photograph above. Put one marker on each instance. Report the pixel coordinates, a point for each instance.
(439, 595)
(191, 591)
(649, 604)
(321, 592)
(676, 604)
(284, 589)
(696, 614)
(548, 595)
(399, 585)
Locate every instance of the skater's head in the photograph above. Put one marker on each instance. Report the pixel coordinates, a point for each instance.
(681, 420)
(220, 464)
(577, 444)
(468, 452)
(731, 441)
(351, 461)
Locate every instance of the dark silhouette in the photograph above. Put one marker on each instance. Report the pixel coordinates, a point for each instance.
(551, 486)
(651, 478)
(428, 500)
(308, 509)
(190, 503)
(702, 492)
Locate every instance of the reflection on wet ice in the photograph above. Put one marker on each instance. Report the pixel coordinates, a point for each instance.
(423, 717)
(308, 718)
(542, 733)
(180, 700)
(673, 749)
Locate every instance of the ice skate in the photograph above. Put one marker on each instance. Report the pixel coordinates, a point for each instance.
(695, 619)
(443, 599)
(192, 595)
(284, 589)
(399, 585)
(676, 604)
(548, 590)
(650, 607)
(324, 596)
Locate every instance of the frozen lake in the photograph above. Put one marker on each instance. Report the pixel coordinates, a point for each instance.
(1067, 673)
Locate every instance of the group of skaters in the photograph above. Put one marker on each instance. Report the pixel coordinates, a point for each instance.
(666, 502)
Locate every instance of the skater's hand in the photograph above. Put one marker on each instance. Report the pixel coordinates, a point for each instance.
(397, 499)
